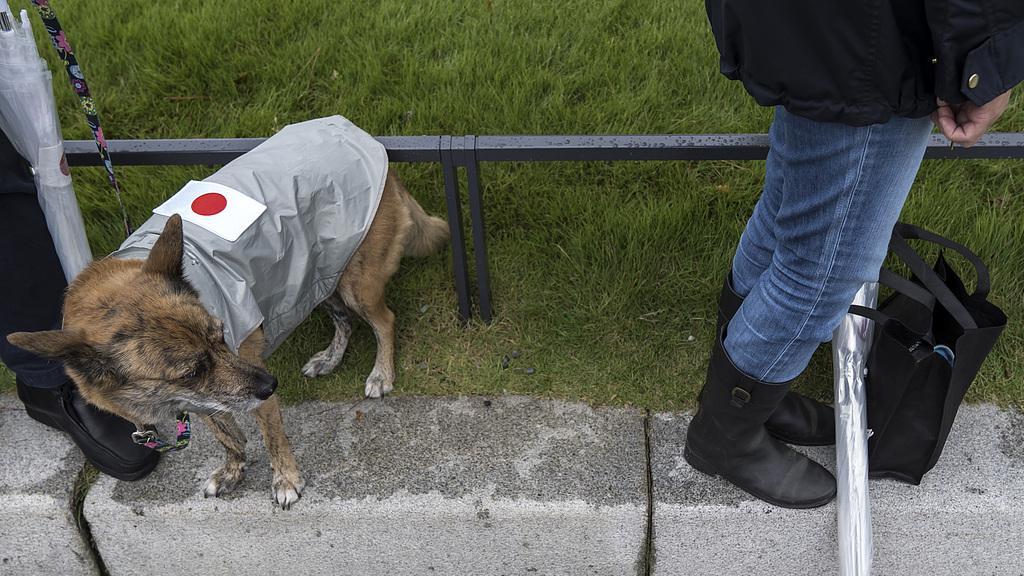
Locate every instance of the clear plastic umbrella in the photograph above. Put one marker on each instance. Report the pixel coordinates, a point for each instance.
(28, 116)
(851, 342)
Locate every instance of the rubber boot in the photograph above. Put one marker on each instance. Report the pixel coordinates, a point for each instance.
(798, 419)
(727, 437)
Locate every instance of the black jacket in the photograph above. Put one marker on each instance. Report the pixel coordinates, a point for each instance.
(861, 61)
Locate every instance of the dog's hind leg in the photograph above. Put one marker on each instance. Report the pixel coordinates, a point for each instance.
(367, 273)
(288, 485)
(325, 361)
(229, 476)
(367, 300)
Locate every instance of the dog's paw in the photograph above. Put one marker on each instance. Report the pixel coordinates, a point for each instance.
(320, 364)
(287, 491)
(377, 384)
(223, 481)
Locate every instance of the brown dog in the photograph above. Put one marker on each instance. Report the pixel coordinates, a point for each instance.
(138, 343)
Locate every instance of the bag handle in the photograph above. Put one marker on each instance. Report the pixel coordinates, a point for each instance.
(931, 280)
(901, 285)
(909, 289)
(911, 232)
(870, 313)
(910, 339)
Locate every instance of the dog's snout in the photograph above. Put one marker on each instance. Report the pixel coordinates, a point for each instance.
(265, 384)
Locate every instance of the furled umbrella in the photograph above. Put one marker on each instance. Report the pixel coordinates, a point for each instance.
(851, 343)
(28, 116)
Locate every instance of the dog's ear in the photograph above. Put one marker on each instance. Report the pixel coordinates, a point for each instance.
(165, 256)
(68, 346)
(50, 343)
(56, 344)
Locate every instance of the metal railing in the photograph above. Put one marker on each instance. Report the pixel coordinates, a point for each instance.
(467, 152)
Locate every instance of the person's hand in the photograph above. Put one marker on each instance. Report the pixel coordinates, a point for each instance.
(964, 124)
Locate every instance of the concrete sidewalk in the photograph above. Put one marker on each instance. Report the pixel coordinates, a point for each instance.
(966, 517)
(401, 486)
(505, 485)
(38, 469)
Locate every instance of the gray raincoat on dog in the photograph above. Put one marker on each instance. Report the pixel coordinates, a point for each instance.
(320, 183)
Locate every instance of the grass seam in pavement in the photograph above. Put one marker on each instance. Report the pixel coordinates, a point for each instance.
(648, 560)
(83, 483)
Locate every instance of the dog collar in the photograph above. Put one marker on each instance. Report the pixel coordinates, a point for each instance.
(149, 438)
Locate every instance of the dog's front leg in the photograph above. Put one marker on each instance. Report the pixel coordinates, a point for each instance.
(287, 487)
(287, 483)
(229, 476)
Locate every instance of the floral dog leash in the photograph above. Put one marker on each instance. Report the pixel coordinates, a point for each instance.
(81, 88)
(150, 439)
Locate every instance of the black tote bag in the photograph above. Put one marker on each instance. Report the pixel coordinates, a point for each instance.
(914, 385)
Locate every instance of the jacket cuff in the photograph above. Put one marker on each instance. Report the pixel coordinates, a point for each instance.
(995, 66)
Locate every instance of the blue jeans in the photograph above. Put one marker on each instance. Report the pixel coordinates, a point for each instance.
(832, 194)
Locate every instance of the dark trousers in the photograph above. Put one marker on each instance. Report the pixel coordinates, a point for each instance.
(31, 279)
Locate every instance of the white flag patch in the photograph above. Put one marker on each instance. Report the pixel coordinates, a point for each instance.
(222, 210)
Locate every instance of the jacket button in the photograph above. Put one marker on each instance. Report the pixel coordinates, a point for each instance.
(972, 82)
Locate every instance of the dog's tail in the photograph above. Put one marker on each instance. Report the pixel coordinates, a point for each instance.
(428, 234)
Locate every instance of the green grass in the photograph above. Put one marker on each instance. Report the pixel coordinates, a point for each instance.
(605, 275)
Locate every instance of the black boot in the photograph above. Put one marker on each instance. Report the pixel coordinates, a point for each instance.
(727, 437)
(105, 439)
(798, 419)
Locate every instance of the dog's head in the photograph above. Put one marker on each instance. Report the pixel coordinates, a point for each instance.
(138, 342)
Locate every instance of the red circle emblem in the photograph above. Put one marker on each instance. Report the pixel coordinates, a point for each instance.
(209, 204)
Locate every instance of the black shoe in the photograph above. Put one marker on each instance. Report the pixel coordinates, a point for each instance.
(105, 439)
(727, 437)
(798, 419)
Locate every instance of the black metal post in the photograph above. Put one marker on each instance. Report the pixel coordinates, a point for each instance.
(455, 228)
(476, 216)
